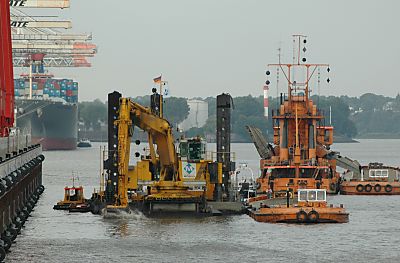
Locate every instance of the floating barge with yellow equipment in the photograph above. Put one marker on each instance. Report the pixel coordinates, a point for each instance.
(311, 207)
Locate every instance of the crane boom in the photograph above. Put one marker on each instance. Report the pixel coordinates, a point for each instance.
(40, 3)
(18, 23)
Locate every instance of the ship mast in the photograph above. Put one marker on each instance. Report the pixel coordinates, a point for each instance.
(297, 117)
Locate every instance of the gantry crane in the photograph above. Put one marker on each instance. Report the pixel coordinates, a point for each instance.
(40, 42)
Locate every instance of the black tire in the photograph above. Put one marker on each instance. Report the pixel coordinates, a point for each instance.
(313, 216)
(332, 187)
(95, 209)
(388, 188)
(2, 254)
(17, 223)
(2, 189)
(29, 207)
(12, 233)
(368, 188)
(7, 243)
(301, 216)
(359, 188)
(377, 188)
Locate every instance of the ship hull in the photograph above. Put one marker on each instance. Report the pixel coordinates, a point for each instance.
(52, 124)
(370, 188)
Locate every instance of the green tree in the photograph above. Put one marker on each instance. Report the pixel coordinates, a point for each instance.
(175, 109)
(92, 113)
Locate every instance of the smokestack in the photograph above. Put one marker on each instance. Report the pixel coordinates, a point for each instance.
(266, 101)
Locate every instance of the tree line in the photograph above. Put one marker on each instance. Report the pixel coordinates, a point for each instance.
(364, 116)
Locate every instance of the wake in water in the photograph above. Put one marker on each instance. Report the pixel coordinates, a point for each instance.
(121, 214)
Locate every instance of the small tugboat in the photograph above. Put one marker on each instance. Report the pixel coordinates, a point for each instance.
(74, 200)
(84, 143)
(374, 179)
(311, 207)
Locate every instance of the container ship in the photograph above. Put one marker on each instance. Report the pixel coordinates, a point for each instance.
(20, 160)
(47, 109)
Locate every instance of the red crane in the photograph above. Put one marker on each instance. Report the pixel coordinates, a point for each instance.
(6, 71)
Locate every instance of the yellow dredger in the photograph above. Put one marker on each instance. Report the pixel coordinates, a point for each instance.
(162, 180)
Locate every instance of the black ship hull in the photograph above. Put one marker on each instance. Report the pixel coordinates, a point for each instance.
(53, 124)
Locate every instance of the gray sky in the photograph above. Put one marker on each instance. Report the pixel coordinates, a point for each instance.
(207, 47)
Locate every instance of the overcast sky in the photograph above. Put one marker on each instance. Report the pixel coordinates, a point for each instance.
(207, 47)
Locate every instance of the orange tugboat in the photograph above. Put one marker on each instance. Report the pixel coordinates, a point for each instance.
(374, 179)
(74, 200)
(311, 208)
(297, 158)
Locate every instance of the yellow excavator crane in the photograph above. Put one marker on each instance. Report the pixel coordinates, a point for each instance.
(162, 179)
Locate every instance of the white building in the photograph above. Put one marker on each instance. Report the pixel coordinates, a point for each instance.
(198, 115)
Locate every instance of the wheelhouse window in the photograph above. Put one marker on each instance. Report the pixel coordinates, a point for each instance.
(379, 173)
(311, 195)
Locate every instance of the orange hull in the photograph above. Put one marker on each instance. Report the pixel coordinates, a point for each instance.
(370, 188)
(304, 215)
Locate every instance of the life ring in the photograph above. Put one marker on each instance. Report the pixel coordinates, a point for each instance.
(388, 188)
(360, 188)
(377, 188)
(301, 216)
(368, 188)
(313, 216)
(258, 185)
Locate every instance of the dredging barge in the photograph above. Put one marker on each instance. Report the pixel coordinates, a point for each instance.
(166, 179)
(298, 158)
(299, 161)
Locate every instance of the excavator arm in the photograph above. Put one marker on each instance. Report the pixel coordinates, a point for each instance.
(160, 134)
(131, 114)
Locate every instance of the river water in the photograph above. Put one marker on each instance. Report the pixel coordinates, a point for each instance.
(372, 235)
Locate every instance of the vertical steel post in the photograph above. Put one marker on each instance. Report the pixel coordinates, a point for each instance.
(6, 71)
(224, 106)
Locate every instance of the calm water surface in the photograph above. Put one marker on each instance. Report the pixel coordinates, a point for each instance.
(372, 235)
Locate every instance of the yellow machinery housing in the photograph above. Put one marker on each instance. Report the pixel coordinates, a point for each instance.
(163, 176)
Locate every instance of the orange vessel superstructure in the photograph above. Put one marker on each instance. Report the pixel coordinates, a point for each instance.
(301, 138)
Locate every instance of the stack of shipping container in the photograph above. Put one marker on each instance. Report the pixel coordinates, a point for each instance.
(45, 89)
